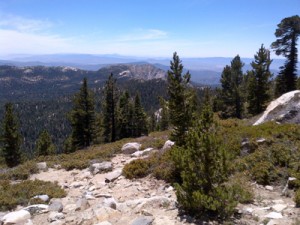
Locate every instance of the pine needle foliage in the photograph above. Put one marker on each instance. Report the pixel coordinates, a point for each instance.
(11, 138)
(203, 170)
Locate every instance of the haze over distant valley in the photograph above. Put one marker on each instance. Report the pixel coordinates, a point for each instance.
(204, 70)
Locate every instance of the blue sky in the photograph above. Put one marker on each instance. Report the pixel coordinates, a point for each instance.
(156, 28)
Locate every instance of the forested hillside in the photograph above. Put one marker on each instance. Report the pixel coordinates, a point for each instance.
(42, 96)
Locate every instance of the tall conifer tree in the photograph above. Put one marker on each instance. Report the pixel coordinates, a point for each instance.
(140, 118)
(259, 81)
(181, 100)
(110, 110)
(232, 89)
(82, 117)
(11, 137)
(287, 35)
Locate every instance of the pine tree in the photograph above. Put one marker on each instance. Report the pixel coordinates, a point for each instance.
(82, 118)
(232, 88)
(164, 115)
(259, 82)
(44, 144)
(181, 101)
(203, 164)
(140, 118)
(109, 110)
(124, 119)
(11, 137)
(287, 35)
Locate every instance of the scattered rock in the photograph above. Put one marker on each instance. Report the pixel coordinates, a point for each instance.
(110, 202)
(143, 220)
(104, 223)
(43, 198)
(279, 207)
(42, 166)
(84, 175)
(16, 217)
(69, 208)
(274, 222)
(146, 213)
(168, 144)
(130, 148)
(141, 153)
(86, 215)
(55, 205)
(112, 176)
(101, 195)
(77, 184)
(292, 178)
(105, 213)
(37, 209)
(260, 140)
(54, 216)
(274, 215)
(269, 188)
(100, 167)
(82, 204)
(169, 189)
(29, 222)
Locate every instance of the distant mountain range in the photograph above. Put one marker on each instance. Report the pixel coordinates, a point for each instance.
(31, 82)
(203, 70)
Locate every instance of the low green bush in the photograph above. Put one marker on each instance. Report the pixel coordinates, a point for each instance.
(241, 189)
(21, 172)
(12, 195)
(137, 169)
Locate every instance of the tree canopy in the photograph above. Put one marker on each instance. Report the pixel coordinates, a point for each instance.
(287, 34)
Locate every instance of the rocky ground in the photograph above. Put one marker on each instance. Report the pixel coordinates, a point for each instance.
(101, 195)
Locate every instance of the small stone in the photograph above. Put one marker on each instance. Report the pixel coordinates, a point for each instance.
(292, 178)
(146, 213)
(105, 213)
(279, 207)
(55, 205)
(92, 188)
(130, 148)
(110, 202)
(29, 222)
(37, 209)
(69, 208)
(43, 198)
(143, 220)
(42, 166)
(269, 188)
(76, 184)
(274, 222)
(99, 195)
(100, 167)
(104, 223)
(274, 215)
(169, 189)
(81, 204)
(278, 201)
(54, 216)
(112, 176)
(168, 144)
(16, 217)
(260, 140)
(248, 210)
